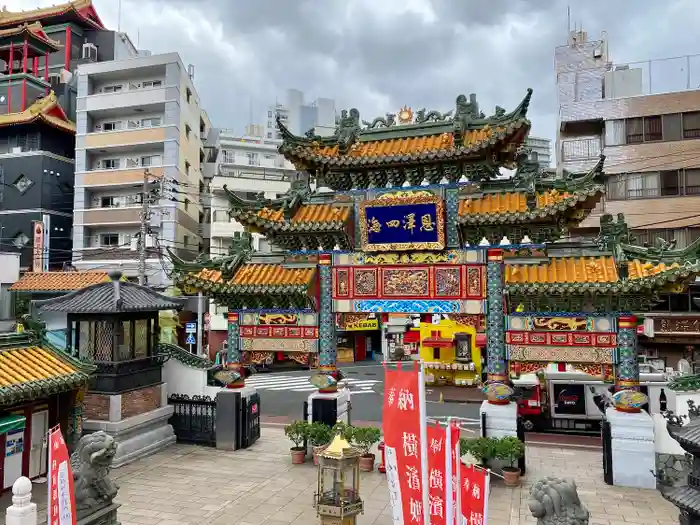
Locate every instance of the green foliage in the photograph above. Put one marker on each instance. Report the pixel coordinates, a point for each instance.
(297, 432)
(481, 448)
(509, 449)
(319, 434)
(344, 430)
(366, 437)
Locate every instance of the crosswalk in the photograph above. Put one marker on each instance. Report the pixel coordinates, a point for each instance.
(289, 383)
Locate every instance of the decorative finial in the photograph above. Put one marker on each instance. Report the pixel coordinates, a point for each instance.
(115, 275)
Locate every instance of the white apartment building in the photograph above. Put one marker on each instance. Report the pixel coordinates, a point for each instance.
(299, 117)
(135, 115)
(247, 165)
(540, 150)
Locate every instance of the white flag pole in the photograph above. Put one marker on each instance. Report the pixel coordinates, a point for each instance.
(449, 507)
(424, 443)
(458, 481)
(487, 490)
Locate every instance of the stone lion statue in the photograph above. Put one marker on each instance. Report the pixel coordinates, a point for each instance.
(555, 501)
(91, 462)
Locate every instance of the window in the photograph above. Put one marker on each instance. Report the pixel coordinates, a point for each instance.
(672, 128)
(133, 162)
(691, 125)
(269, 123)
(187, 204)
(110, 126)
(112, 89)
(20, 240)
(133, 124)
(253, 159)
(635, 130)
(188, 94)
(152, 83)
(23, 183)
(188, 130)
(221, 216)
(186, 240)
(228, 157)
(110, 164)
(642, 185)
(269, 114)
(269, 135)
(670, 183)
(692, 181)
(109, 239)
(109, 202)
(187, 167)
(652, 129)
(151, 160)
(151, 122)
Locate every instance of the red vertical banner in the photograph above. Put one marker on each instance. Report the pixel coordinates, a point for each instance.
(61, 496)
(437, 475)
(474, 495)
(404, 402)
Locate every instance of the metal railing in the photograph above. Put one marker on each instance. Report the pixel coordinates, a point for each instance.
(580, 149)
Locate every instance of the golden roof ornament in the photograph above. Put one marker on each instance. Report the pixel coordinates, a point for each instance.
(405, 115)
(339, 448)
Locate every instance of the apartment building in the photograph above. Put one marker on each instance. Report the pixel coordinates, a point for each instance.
(249, 166)
(299, 116)
(645, 117)
(135, 116)
(540, 150)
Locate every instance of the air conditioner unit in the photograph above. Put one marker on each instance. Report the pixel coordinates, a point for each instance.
(54, 79)
(90, 52)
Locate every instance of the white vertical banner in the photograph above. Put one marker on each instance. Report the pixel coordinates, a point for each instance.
(449, 504)
(392, 477)
(457, 480)
(422, 410)
(46, 219)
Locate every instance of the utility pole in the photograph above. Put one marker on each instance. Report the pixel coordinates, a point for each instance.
(145, 216)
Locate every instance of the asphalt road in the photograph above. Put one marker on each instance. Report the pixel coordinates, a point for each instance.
(282, 395)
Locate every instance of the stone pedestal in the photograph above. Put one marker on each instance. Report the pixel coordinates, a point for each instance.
(501, 420)
(329, 407)
(633, 454)
(104, 516)
(137, 420)
(229, 416)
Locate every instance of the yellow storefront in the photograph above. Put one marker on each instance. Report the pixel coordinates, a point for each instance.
(450, 353)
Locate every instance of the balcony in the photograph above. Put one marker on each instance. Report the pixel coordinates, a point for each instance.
(110, 139)
(581, 149)
(111, 216)
(225, 229)
(149, 99)
(121, 376)
(127, 177)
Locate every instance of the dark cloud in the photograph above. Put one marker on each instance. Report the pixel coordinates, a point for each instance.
(378, 55)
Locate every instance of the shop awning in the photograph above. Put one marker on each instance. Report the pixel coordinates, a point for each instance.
(12, 423)
(412, 336)
(438, 342)
(480, 340)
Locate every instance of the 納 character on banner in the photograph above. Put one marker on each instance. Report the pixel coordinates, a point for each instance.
(476, 491)
(405, 400)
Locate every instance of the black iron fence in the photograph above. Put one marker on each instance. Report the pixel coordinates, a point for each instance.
(194, 419)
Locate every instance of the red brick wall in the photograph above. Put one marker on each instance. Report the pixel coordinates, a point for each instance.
(140, 401)
(96, 407)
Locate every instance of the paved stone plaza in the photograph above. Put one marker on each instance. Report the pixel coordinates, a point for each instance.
(188, 485)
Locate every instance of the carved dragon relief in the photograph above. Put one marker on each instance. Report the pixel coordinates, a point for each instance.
(385, 122)
(240, 252)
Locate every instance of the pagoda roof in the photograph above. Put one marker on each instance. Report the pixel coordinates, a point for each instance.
(78, 11)
(599, 275)
(527, 197)
(33, 32)
(254, 278)
(46, 110)
(306, 218)
(109, 298)
(51, 282)
(29, 370)
(406, 138)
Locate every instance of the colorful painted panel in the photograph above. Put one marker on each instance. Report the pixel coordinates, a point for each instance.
(561, 338)
(476, 321)
(278, 319)
(307, 332)
(366, 282)
(445, 257)
(264, 318)
(407, 306)
(475, 281)
(686, 325)
(341, 278)
(353, 322)
(403, 221)
(448, 282)
(561, 323)
(280, 345)
(407, 282)
(560, 354)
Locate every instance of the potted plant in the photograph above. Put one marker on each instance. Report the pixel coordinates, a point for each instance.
(344, 430)
(320, 435)
(481, 449)
(365, 438)
(297, 432)
(509, 450)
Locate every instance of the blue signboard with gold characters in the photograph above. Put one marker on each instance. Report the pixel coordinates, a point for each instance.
(400, 221)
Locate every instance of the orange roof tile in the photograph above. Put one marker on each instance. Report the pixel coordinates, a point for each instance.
(35, 29)
(507, 202)
(81, 7)
(379, 148)
(579, 270)
(46, 109)
(263, 275)
(310, 213)
(58, 281)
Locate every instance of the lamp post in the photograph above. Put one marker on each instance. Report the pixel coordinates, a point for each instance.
(337, 500)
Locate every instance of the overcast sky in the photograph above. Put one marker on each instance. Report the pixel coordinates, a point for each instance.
(378, 55)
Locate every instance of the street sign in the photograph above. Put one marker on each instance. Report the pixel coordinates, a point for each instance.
(190, 339)
(190, 328)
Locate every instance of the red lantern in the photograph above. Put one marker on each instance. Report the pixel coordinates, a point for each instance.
(516, 368)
